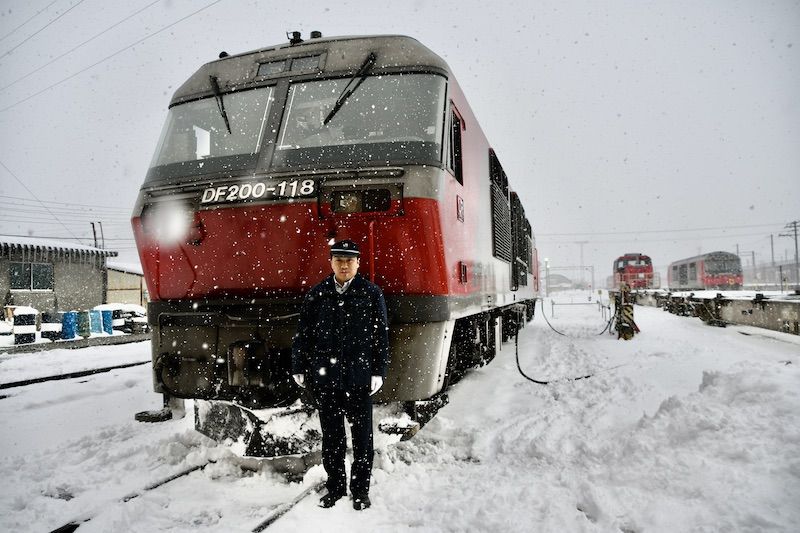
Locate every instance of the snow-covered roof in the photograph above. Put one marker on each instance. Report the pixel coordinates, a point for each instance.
(34, 243)
(124, 266)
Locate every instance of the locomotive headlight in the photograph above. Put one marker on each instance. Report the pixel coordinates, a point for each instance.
(167, 222)
(347, 202)
(361, 201)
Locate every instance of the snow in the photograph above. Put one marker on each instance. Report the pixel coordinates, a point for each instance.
(129, 308)
(125, 266)
(730, 295)
(21, 310)
(52, 244)
(686, 427)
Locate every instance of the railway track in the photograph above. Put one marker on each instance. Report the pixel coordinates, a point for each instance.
(275, 513)
(69, 375)
(74, 524)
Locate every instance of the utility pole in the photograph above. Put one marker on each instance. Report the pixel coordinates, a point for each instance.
(546, 277)
(581, 243)
(102, 237)
(793, 227)
(94, 233)
(772, 248)
(753, 264)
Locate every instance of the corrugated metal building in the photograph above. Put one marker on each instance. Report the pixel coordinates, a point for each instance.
(126, 284)
(52, 275)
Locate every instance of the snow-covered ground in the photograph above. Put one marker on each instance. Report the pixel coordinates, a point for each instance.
(686, 427)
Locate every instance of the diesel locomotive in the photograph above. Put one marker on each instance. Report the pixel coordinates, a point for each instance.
(267, 157)
(636, 271)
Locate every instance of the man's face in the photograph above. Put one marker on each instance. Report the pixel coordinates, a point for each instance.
(344, 267)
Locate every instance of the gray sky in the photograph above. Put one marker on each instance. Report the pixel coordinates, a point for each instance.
(664, 127)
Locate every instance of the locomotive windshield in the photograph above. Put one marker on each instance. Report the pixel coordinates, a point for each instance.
(723, 265)
(195, 138)
(390, 118)
(632, 261)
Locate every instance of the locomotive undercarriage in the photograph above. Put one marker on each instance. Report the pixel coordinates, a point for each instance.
(236, 361)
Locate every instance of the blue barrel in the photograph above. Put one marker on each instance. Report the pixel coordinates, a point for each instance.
(84, 324)
(69, 325)
(96, 322)
(51, 326)
(108, 322)
(24, 327)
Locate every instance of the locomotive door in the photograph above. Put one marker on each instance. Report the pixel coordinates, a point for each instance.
(683, 276)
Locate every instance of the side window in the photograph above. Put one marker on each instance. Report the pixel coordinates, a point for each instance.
(31, 276)
(20, 276)
(454, 156)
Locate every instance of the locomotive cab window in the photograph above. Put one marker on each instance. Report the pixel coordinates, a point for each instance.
(454, 162)
(383, 119)
(223, 132)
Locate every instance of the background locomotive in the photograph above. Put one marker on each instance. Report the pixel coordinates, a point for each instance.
(715, 270)
(269, 156)
(636, 270)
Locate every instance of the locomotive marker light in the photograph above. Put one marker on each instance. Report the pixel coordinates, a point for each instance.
(168, 222)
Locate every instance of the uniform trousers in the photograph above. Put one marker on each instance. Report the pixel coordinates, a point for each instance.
(334, 406)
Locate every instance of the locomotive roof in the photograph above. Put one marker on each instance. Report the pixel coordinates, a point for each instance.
(339, 55)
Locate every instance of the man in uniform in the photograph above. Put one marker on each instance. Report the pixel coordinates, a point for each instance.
(341, 352)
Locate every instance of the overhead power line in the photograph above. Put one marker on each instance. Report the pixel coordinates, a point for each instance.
(76, 212)
(9, 34)
(636, 232)
(31, 73)
(31, 193)
(37, 32)
(649, 240)
(108, 57)
(62, 203)
(70, 221)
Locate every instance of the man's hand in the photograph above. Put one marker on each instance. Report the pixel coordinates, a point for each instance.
(377, 383)
(300, 379)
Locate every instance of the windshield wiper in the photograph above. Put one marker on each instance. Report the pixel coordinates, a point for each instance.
(358, 77)
(220, 103)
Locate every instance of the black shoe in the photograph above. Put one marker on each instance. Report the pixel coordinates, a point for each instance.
(361, 502)
(330, 499)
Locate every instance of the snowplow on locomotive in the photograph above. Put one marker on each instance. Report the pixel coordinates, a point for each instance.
(269, 156)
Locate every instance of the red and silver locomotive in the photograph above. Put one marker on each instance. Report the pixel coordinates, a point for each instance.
(714, 270)
(635, 270)
(269, 156)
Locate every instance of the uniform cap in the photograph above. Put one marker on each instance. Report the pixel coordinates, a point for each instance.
(346, 248)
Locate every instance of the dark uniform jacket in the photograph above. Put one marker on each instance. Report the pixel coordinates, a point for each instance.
(342, 339)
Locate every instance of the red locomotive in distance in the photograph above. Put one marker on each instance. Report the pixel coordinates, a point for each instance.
(636, 270)
(714, 270)
(269, 156)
